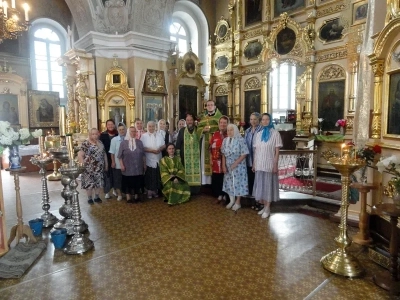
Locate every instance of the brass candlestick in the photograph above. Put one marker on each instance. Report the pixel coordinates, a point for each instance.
(340, 261)
(51, 142)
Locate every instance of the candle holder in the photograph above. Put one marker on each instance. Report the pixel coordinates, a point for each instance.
(340, 261)
(79, 242)
(51, 142)
(42, 161)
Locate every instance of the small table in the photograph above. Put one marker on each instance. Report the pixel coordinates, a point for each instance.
(20, 230)
(362, 237)
(384, 280)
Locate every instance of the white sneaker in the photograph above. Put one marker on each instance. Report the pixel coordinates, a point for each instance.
(261, 211)
(119, 198)
(230, 205)
(115, 193)
(236, 207)
(107, 196)
(266, 213)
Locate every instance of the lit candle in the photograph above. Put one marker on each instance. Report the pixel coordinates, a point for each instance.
(26, 9)
(61, 110)
(13, 3)
(5, 5)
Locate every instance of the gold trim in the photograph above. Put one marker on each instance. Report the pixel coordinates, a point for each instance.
(221, 90)
(253, 83)
(331, 8)
(247, 44)
(324, 42)
(223, 35)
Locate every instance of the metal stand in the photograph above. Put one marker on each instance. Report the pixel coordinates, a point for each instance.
(20, 230)
(340, 261)
(48, 218)
(79, 242)
(55, 176)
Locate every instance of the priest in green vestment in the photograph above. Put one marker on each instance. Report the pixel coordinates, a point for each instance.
(205, 129)
(188, 147)
(175, 188)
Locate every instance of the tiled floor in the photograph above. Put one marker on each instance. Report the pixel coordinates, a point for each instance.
(197, 250)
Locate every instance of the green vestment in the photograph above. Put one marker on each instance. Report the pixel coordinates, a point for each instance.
(191, 157)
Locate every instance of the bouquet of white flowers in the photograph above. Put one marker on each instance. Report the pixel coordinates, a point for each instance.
(9, 137)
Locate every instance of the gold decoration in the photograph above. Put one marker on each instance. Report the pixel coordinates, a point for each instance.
(252, 33)
(222, 31)
(331, 8)
(81, 93)
(221, 90)
(69, 82)
(378, 69)
(332, 72)
(252, 83)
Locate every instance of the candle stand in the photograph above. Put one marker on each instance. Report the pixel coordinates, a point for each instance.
(340, 261)
(42, 161)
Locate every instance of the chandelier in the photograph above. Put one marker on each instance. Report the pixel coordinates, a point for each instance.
(11, 24)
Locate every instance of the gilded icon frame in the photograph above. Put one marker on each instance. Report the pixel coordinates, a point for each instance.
(359, 12)
(43, 109)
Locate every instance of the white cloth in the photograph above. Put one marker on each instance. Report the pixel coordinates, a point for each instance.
(114, 149)
(132, 142)
(152, 141)
(264, 152)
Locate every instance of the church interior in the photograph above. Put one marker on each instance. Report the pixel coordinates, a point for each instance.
(328, 72)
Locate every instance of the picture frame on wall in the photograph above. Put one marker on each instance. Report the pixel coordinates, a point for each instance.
(360, 11)
(252, 104)
(252, 50)
(331, 31)
(253, 12)
(331, 103)
(221, 102)
(281, 6)
(187, 100)
(152, 108)
(9, 108)
(117, 113)
(43, 109)
(393, 105)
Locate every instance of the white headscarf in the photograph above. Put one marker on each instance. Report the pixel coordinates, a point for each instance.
(132, 141)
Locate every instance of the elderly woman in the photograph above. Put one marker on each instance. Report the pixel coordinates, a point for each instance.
(234, 151)
(105, 138)
(153, 144)
(93, 156)
(133, 165)
(181, 124)
(266, 157)
(162, 129)
(249, 135)
(175, 188)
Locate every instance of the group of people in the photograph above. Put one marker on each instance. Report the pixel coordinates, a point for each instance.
(178, 164)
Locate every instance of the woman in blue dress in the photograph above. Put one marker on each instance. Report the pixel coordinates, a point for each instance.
(234, 151)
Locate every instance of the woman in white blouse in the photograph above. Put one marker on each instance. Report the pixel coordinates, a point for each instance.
(265, 164)
(153, 144)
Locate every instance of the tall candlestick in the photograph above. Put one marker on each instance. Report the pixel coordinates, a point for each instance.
(41, 145)
(70, 147)
(61, 111)
(26, 9)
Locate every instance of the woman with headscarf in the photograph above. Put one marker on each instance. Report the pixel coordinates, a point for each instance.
(249, 136)
(162, 129)
(234, 151)
(265, 164)
(133, 165)
(181, 124)
(153, 144)
(175, 187)
(94, 159)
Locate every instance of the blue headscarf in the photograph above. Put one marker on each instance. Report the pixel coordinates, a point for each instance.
(266, 130)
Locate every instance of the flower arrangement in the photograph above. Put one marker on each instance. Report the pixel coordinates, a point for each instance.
(368, 153)
(392, 165)
(341, 123)
(9, 137)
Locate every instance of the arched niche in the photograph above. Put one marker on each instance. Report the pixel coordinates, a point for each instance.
(332, 101)
(117, 100)
(190, 86)
(13, 88)
(251, 96)
(221, 98)
(290, 43)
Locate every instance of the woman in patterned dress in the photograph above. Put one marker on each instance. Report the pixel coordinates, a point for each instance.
(265, 164)
(234, 150)
(94, 158)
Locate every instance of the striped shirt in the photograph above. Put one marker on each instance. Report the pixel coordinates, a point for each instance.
(249, 136)
(264, 152)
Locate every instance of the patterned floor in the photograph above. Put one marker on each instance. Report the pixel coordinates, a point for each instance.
(197, 250)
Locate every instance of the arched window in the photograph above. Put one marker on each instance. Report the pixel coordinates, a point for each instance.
(180, 35)
(47, 45)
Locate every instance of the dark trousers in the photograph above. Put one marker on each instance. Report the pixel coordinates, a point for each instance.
(217, 180)
(250, 176)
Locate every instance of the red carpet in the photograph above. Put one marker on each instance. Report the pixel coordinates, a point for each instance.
(320, 186)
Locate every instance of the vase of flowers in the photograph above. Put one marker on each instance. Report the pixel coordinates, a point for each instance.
(368, 153)
(341, 123)
(11, 139)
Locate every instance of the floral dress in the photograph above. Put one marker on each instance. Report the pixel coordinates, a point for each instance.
(235, 182)
(93, 160)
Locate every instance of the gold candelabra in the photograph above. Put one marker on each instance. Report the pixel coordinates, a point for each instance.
(340, 261)
(11, 24)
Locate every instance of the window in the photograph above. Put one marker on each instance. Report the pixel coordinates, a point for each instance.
(178, 34)
(283, 84)
(47, 46)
